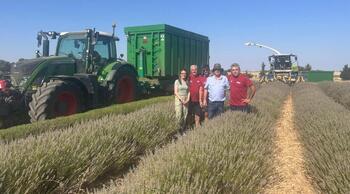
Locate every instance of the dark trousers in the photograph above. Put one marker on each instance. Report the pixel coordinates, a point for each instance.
(215, 108)
(240, 108)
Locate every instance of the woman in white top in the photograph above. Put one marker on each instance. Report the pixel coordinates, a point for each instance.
(182, 97)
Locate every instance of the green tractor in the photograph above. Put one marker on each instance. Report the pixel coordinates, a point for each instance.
(85, 73)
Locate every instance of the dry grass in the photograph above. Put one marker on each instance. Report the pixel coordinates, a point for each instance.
(229, 154)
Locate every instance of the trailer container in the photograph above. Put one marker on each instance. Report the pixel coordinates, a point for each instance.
(161, 51)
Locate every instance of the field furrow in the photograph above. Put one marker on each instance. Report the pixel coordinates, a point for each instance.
(289, 158)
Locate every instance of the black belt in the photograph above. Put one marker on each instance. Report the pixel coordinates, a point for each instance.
(216, 101)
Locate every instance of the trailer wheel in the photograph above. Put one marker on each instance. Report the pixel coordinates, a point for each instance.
(125, 88)
(54, 99)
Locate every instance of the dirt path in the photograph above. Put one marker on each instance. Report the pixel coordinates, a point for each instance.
(291, 177)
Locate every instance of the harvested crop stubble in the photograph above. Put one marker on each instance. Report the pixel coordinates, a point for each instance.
(74, 158)
(340, 92)
(229, 154)
(324, 127)
(37, 128)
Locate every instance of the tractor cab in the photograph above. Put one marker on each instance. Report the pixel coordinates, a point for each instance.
(282, 62)
(284, 68)
(91, 50)
(76, 52)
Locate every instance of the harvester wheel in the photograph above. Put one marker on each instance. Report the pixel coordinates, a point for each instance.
(301, 78)
(125, 85)
(263, 79)
(54, 99)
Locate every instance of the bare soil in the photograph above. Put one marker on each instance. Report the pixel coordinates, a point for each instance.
(289, 162)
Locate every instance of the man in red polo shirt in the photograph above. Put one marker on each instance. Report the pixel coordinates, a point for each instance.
(239, 85)
(195, 83)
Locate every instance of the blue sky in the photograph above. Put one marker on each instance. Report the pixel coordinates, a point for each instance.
(317, 31)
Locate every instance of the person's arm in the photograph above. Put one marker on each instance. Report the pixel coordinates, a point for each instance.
(227, 83)
(252, 91)
(251, 94)
(201, 95)
(188, 98)
(205, 103)
(205, 97)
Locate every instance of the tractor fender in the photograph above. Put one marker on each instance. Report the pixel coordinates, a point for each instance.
(112, 74)
(85, 81)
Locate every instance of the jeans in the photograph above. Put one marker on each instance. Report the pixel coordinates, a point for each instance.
(215, 108)
(245, 108)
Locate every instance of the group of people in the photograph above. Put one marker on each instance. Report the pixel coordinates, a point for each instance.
(202, 96)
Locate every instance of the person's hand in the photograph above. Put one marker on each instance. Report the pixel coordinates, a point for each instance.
(201, 104)
(205, 103)
(186, 102)
(247, 100)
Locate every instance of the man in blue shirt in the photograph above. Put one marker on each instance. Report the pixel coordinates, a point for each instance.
(216, 86)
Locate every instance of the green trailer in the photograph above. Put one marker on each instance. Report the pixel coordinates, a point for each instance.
(317, 76)
(161, 51)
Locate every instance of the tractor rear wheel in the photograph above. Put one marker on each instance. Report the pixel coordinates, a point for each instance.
(125, 85)
(54, 99)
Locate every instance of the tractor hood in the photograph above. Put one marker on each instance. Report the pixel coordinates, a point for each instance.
(24, 68)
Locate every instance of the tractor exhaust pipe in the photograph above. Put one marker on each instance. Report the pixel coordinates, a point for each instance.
(46, 48)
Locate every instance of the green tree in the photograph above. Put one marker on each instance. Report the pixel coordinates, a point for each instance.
(345, 74)
(5, 67)
(262, 71)
(308, 67)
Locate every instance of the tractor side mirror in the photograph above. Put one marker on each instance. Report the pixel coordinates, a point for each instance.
(53, 34)
(37, 54)
(39, 38)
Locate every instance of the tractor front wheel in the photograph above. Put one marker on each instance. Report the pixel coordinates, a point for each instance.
(54, 99)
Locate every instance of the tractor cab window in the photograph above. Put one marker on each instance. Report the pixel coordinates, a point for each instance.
(281, 62)
(72, 45)
(102, 50)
